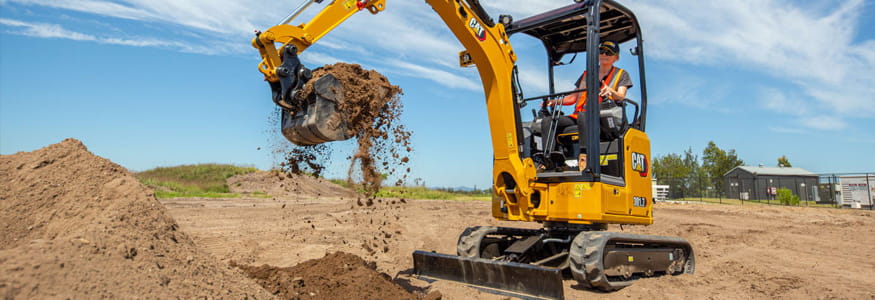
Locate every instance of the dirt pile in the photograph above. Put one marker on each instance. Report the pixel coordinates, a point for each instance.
(338, 275)
(280, 184)
(373, 108)
(76, 225)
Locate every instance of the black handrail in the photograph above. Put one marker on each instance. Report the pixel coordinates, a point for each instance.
(554, 95)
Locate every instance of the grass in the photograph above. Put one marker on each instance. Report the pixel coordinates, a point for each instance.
(427, 193)
(419, 192)
(201, 180)
(752, 202)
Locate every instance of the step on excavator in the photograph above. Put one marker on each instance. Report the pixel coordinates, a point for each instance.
(573, 201)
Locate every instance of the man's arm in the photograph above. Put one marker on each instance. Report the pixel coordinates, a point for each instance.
(620, 93)
(617, 95)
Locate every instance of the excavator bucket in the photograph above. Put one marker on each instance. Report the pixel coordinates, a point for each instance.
(526, 279)
(318, 120)
(312, 118)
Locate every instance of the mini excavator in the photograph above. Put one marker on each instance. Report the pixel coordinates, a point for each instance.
(574, 204)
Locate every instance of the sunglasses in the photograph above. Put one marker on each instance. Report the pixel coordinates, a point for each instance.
(607, 52)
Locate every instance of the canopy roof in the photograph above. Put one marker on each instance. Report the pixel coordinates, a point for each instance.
(563, 30)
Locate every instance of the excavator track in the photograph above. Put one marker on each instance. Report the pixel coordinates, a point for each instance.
(610, 261)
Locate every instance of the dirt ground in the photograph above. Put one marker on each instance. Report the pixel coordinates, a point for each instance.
(77, 226)
(743, 252)
(74, 225)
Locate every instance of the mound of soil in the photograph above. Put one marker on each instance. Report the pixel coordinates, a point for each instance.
(74, 225)
(281, 184)
(373, 108)
(338, 275)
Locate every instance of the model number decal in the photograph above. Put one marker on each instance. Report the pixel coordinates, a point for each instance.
(639, 163)
(639, 201)
(479, 31)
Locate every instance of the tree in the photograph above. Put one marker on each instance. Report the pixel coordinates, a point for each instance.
(716, 162)
(669, 170)
(784, 162)
(679, 172)
(696, 177)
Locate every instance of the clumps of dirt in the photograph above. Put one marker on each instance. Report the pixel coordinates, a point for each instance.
(338, 275)
(281, 184)
(306, 159)
(372, 108)
(74, 225)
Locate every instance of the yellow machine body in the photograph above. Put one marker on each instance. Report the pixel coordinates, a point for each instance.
(586, 202)
(575, 205)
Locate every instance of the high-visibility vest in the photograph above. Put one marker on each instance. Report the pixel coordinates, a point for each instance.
(612, 80)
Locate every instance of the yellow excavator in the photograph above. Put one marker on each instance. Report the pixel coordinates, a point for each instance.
(574, 203)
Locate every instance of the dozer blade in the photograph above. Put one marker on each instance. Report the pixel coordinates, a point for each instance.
(526, 279)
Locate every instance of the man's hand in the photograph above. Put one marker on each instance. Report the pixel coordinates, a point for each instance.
(607, 92)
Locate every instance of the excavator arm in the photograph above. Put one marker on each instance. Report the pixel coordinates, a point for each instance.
(306, 34)
(486, 45)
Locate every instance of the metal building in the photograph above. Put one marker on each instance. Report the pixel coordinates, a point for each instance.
(762, 183)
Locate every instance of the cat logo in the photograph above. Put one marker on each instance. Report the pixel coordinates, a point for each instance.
(639, 163)
(479, 31)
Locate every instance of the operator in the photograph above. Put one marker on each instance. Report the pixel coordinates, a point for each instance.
(614, 84)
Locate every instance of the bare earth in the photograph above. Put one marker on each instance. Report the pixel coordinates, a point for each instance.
(74, 225)
(743, 252)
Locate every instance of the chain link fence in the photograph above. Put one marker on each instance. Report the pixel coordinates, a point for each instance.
(833, 190)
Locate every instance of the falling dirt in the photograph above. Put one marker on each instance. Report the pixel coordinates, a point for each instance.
(373, 108)
(300, 160)
(74, 225)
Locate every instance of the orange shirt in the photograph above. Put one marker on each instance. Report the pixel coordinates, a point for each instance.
(612, 80)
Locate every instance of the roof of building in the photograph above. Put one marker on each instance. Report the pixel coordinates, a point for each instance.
(781, 171)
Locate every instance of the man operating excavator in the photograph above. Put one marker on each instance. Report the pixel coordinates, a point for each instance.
(614, 84)
(573, 205)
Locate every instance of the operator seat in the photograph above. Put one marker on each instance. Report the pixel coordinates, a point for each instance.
(613, 125)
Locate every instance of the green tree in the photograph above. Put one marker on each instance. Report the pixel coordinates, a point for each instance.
(784, 162)
(695, 178)
(669, 170)
(716, 162)
(679, 172)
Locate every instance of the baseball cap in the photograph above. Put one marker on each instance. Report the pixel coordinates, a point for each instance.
(610, 46)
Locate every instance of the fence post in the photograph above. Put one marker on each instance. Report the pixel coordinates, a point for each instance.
(869, 192)
(835, 200)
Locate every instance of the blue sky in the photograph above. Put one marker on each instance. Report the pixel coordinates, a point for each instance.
(149, 83)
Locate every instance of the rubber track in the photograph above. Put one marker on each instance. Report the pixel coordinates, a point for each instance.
(469, 241)
(587, 252)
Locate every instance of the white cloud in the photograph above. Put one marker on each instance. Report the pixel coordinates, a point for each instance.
(776, 101)
(222, 16)
(824, 122)
(443, 77)
(788, 130)
(43, 30)
(813, 49)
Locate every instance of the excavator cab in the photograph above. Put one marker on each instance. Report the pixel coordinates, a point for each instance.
(563, 33)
